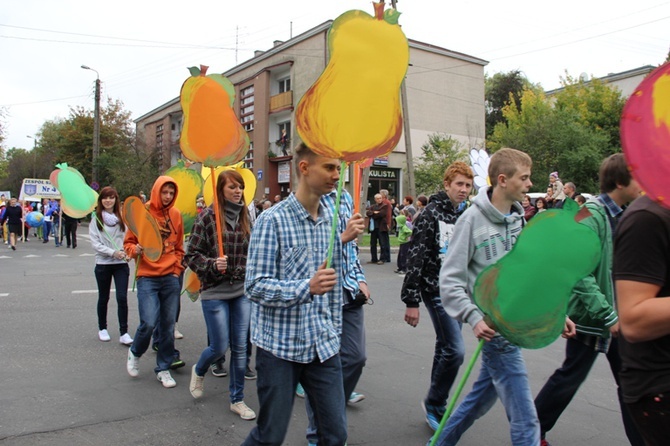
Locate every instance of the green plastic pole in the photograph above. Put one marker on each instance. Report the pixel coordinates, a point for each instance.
(336, 213)
(459, 389)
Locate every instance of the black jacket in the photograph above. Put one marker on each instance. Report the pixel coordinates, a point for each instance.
(430, 239)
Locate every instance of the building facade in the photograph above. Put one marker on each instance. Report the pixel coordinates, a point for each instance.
(445, 94)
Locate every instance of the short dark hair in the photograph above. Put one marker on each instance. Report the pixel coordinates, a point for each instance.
(613, 172)
(423, 200)
(302, 152)
(409, 199)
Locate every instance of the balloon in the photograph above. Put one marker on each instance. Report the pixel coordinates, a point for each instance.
(35, 219)
(144, 226)
(353, 110)
(526, 309)
(190, 185)
(645, 134)
(77, 198)
(191, 284)
(212, 134)
(247, 175)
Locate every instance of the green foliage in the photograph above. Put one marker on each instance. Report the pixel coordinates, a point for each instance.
(438, 153)
(596, 105)
(503, 89)
(571, 137)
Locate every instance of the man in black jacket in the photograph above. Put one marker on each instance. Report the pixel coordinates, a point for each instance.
(430, 240)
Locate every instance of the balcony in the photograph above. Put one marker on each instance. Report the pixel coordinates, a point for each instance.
(281, 101)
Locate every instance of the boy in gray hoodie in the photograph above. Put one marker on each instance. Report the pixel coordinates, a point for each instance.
(486, 232)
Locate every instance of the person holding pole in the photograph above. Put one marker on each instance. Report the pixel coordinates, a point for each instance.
(158, 284)
(485, 233)
(296, 316)
(225, 307)
(107, 232)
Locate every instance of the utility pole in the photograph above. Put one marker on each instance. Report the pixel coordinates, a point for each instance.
(406, 131)
(96, 127)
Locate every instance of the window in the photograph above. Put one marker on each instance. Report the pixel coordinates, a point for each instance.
(249, 158)
(159, 140)
(247, 100)
(247, 91)
(246, 110)
(285, 85)
(247, 118)
(159, 128)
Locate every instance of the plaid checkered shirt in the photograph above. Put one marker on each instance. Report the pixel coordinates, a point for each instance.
(287, 246)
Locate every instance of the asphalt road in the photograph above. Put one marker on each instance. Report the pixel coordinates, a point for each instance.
(62, 386)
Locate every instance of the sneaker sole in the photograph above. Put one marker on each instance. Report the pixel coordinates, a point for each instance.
(425, 411)
(358, 399)
(167, 385)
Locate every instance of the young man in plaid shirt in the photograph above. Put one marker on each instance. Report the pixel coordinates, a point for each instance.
(296, 317)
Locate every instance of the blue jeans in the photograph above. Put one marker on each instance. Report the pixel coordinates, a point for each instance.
(277, 380)
(503, 374)
(157, 299)
(449, 352)
(562, 386)
(227, 321)
(46, 231)
(103, 275)
(352, 356)
(55, 231)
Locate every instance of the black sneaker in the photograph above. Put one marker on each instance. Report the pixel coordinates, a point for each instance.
(249, 374)
(219, 370)
(177, 363)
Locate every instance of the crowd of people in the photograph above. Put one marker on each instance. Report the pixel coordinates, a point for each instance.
(16, 227)
(266, 280)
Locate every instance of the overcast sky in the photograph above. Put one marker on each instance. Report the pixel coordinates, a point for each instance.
(142, 48)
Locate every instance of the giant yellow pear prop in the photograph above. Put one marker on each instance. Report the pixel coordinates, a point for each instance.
(352, 111)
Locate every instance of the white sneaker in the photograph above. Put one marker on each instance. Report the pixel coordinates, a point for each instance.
(196, 387)
(126, 339)
(166, 379)
(104, 336)
(177, 333)
(133, 364)
(243, 410)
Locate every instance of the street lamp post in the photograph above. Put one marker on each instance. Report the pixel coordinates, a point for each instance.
(34, 153)
(96, 126)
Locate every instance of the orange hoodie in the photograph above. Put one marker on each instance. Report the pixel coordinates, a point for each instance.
(172, 229)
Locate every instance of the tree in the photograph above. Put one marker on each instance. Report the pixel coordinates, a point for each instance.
(595, 104)
(502, 89)
(557, 139)
(438, 153)
(120, 162)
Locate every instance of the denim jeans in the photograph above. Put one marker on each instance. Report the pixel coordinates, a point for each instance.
(562, 386)
(277, 380)
(157, 299)
(227, 321)
(55, 231)
(449, 352)
(503, 374)
(103, 275)
(352, 356)
(46, 231)
(402, 256)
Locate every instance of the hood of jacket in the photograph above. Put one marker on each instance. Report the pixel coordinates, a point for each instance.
(400, 219)
(155, 202)
(483, 203)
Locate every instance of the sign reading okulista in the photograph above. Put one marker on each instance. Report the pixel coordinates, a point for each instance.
(34, 189)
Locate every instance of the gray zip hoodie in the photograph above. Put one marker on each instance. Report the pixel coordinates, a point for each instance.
(482, 235)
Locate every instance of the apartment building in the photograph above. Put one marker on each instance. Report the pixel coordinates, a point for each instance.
(445, 94)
